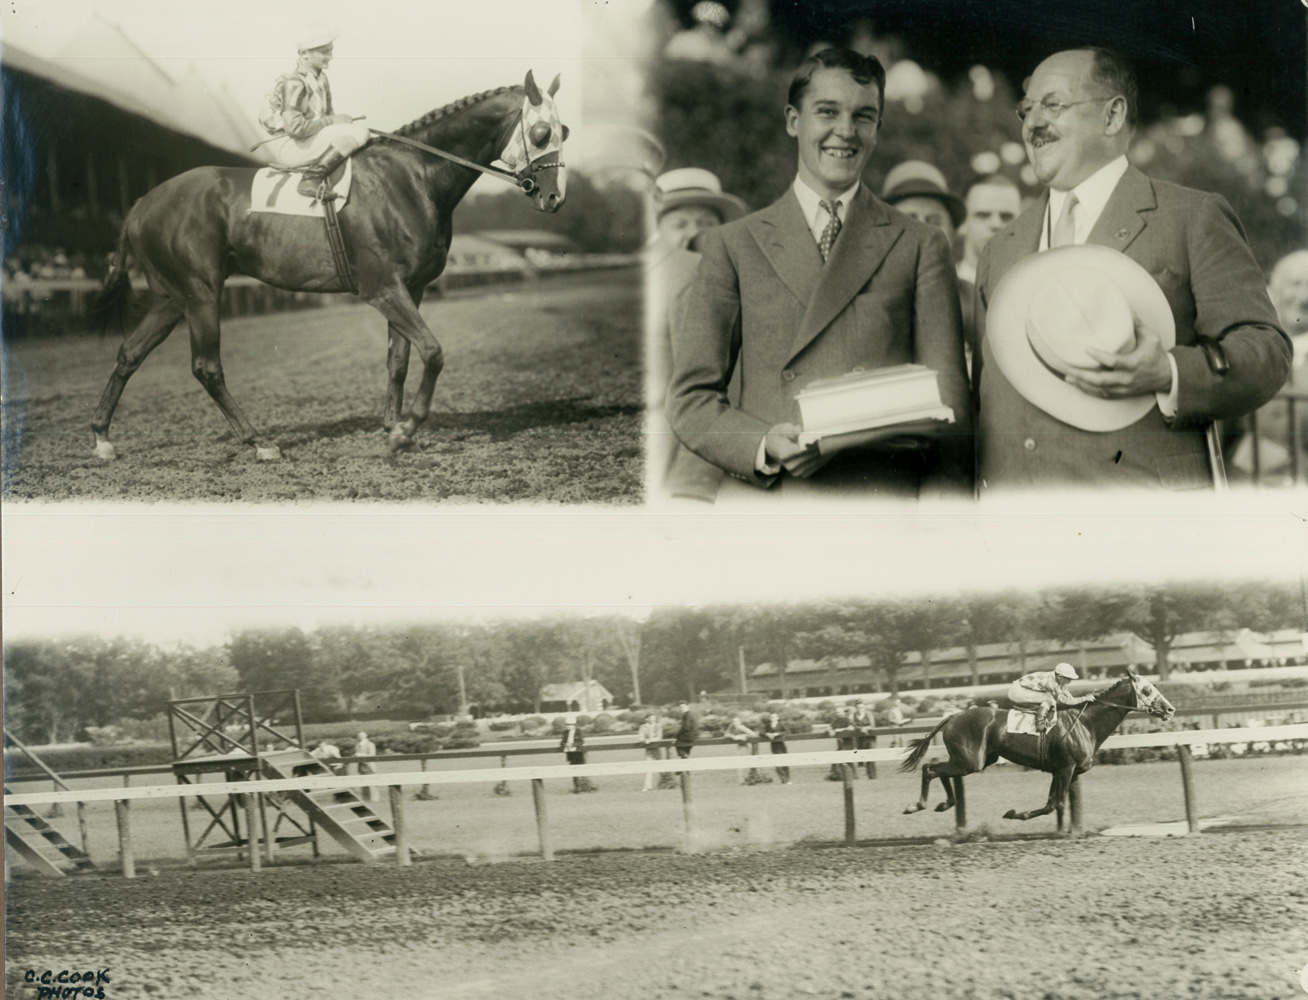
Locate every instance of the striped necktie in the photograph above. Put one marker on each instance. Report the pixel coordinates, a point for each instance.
(829, 234)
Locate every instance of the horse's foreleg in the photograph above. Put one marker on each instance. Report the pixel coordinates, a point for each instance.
(207, 367)
(397, 369)
(401, 312)
(152, 331)
(1057, 793)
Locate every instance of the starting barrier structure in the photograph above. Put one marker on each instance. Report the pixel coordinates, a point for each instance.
(312, 784)
(239, 737)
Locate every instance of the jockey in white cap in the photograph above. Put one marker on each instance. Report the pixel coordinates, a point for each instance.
(1044, 691)
(298, 112)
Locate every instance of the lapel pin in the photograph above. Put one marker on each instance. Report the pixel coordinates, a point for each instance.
(1121, 234)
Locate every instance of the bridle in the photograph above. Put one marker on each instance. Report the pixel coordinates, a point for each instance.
(522, 177)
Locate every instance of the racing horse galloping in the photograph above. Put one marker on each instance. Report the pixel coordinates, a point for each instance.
(976, 737)
(193, 231)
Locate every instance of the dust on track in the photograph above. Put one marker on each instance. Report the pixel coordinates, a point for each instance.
(1206, 916)
(540, 401)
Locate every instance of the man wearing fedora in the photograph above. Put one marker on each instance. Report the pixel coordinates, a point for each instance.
(825, 281)
(687, 201)
(920, 191)
(1119, 315)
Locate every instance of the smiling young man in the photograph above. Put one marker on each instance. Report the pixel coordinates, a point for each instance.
(1230, 355)
(825, 281)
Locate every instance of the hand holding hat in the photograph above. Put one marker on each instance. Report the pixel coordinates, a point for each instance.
(1083, 333)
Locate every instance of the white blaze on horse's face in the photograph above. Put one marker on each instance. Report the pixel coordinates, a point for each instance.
(536, 146)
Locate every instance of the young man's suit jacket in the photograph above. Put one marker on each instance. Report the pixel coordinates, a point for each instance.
(763, 301)
(1193, 245)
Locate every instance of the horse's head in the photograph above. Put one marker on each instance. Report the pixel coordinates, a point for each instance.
(535, 148)
(1148, 697)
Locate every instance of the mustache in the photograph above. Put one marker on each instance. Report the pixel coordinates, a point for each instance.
(1041, 132)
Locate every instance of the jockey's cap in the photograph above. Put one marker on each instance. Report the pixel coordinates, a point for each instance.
(1066, 670)
(315, 36)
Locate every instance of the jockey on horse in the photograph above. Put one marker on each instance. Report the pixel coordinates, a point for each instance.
(307, 135)
(1043, 691)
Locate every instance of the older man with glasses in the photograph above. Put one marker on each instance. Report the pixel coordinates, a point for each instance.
(1230, 355)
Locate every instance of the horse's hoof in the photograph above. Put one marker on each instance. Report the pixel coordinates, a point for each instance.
(105, 450)
(270, 454)
(916, 807)
(1011, 814)
(944, 807)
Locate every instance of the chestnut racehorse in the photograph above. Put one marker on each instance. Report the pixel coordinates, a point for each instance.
(193, 231)
(976, 737)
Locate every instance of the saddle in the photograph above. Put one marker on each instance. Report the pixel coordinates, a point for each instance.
(275, 190)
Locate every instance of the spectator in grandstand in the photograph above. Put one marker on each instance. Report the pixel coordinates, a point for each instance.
(364, 747)
(687, 202)
(920, 191)
(776, 733)
(991, 204)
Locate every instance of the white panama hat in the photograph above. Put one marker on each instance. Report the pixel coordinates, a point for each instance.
(1051, 306)
(695, 186)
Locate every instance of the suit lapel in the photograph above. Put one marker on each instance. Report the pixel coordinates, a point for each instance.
(1022, 240)
(788, 244)
(1121, 222)
(866, 238)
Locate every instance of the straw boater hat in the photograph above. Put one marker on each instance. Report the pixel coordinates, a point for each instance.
(919, 179)
(1051, 306)
(694, 186)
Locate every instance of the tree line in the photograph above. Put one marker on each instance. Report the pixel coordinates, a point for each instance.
(56, 688)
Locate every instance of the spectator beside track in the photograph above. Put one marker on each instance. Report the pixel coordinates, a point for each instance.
(687, 730)
(742, 734)
(364, 747)
(775, 733)
(864, 738)
(650, 733)
(573, 745)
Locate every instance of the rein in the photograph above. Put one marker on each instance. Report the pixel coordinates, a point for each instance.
(521, 179)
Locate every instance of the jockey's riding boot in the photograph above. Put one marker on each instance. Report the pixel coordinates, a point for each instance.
(316, 172)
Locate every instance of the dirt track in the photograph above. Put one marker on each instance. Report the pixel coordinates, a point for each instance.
(1218, 915)
(540, 400)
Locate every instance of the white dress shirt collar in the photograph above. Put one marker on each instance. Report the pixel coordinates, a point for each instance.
(814, 214)
(1092, 195)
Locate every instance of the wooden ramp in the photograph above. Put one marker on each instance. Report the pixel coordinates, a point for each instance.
(41, 845)
(347, 818)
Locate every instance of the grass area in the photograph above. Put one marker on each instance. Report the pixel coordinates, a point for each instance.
(540, 400)
(470, 820)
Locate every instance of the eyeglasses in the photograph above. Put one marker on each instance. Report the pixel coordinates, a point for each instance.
(1052, 108)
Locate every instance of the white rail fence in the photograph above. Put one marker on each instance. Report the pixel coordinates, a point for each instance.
(538, 774)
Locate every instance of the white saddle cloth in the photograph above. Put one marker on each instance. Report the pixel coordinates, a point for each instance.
(1022, 722)
(276, 191)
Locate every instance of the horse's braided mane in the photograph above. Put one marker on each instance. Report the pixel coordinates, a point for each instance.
(449, 109)
(1124, 682)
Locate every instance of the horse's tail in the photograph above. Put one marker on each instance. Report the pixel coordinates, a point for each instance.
(921, 746)
(110, 306)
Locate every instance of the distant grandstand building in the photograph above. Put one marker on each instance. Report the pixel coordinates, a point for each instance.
(92, 129)
(1000, 663)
